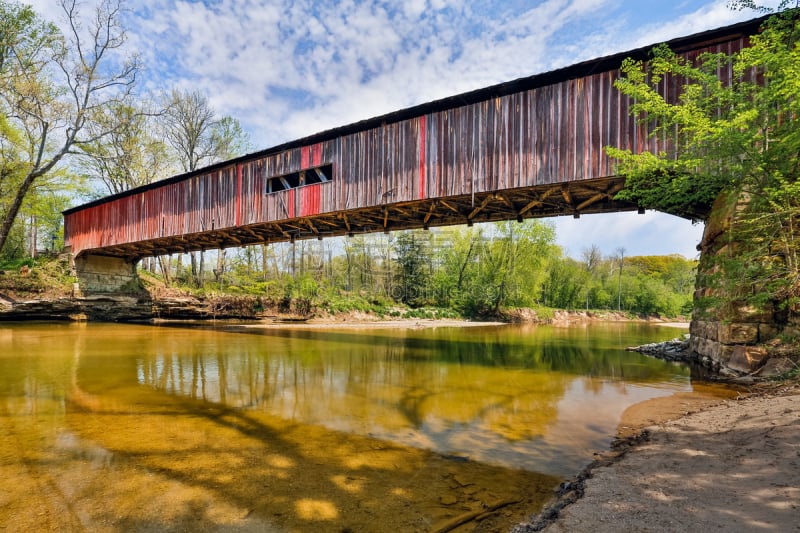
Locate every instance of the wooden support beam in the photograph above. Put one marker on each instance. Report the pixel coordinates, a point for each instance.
(310, 225)
(478, 209)
(430, 213)
(227, 235)
(565, 193)
(371, 218)
(549, 192)
(250, 231)
(614, 189)
(450, 207)
(530, 205)
(594, 199)
(506, 201)
(385, 218)
(346, 222)
(281, 230)
(326, 222)
(321, 175)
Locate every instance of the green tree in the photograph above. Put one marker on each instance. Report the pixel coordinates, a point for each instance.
(50, 86)
(591, 258)
(737, 138)
(458, 252)
(413, 258)
(508, 269)
(564, 280)
(199, 137)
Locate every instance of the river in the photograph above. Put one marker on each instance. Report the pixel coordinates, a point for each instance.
(108, 427)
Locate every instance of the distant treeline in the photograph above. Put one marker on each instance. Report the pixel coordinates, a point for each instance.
(466, 271)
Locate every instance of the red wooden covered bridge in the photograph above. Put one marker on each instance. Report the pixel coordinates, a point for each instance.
(533, 147)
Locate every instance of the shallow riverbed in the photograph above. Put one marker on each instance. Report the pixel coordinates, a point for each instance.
(120, 427)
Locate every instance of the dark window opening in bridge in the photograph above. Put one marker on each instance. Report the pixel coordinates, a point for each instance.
(309, 176)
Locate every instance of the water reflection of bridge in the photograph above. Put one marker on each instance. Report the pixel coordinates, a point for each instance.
(533, 147)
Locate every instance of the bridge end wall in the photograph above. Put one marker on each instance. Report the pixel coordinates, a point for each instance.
(727, 332)
(104, 274)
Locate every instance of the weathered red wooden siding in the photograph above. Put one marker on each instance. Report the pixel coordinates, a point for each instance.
(545, 135)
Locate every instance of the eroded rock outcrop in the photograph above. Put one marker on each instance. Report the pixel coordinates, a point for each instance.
(132, 308)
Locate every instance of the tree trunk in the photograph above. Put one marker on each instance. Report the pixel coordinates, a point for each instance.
(463, 268)
(220, 270)
(193, 260)
(34, 236)
(201, 270)
(13, 209)
(264, 261)
(164, 269)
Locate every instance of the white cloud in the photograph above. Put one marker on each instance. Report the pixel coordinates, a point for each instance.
(707, 17)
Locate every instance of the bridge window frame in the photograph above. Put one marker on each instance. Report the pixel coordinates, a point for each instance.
(301, 178)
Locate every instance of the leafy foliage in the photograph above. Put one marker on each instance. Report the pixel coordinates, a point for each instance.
(735, 137)
(413, 267)
(477, 271)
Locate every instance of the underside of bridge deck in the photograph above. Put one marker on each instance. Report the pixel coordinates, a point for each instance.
(566, 199)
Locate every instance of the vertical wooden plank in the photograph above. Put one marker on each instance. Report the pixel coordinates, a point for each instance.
(423, 158)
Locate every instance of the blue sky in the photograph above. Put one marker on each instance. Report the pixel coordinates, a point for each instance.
(289, 68)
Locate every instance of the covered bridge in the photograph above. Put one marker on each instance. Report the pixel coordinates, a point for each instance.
(532, 147)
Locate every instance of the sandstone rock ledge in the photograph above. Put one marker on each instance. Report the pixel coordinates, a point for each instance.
(121, 308)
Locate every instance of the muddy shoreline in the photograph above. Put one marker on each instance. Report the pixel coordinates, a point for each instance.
(163, 306)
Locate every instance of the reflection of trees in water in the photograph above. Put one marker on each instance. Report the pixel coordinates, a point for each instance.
(429, 387)
(279, 471)
(388, 385)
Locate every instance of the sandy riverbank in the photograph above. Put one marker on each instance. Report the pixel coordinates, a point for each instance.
(408, 323)
(356, 320)
(730, 466)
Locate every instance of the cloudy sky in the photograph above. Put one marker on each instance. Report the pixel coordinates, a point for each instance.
(290, 68)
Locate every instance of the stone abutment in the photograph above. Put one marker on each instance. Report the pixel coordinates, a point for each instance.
(728, 330)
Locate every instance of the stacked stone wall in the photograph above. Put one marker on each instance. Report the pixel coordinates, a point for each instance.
(726, 331)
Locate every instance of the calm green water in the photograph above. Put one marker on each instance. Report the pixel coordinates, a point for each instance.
(113, 427)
